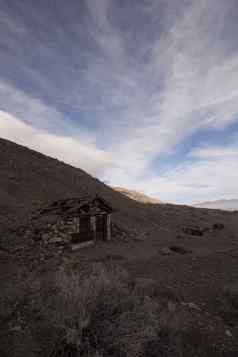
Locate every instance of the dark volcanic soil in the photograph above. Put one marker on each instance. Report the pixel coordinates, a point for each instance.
(195, 276)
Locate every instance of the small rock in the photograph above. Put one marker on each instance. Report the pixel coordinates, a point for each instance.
(55, 240)
(139, 238)
(218, 226)
(16, 328)
(171, 306)
(179, 250)
(228, 333)
(165, 251)
(191, 305)
(206, 230)
(193, 230)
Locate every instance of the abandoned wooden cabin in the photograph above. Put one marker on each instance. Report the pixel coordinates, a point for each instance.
(76, 222)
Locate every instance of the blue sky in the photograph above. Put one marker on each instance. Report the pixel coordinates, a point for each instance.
(142, 94)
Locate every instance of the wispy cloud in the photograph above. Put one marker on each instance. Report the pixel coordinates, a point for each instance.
(132, 80)
(30, 109)
(205, 174)
(68, 149)
(197, 73)
(198, 88)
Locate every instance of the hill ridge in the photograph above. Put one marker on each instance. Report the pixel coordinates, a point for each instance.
(29, 179)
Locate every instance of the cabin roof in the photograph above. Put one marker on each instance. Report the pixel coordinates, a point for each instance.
(82, 205)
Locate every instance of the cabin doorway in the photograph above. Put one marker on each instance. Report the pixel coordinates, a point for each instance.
(101, 227)
(84, 233)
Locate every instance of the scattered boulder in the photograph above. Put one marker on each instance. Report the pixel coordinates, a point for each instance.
(174, 249)
(218, 226)
(196, 231)
(191, 305)
(179, 250)
(228, 333)
(193, 230)
(165, 251)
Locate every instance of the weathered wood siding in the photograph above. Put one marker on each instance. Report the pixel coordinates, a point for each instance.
(109, 227)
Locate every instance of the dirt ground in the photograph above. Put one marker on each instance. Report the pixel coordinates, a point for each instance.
(199, 287)
(194, 278)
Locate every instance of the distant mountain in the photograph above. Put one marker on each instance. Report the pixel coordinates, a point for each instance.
(229, 205)
(137, 196)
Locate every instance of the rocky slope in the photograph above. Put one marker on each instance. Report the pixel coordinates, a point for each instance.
(183, 257)
(29, 179)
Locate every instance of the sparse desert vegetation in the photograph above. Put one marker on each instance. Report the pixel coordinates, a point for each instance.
(118, 178)
(165, 285)
(100, 312)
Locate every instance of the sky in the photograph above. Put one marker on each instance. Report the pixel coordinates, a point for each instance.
(141, 94)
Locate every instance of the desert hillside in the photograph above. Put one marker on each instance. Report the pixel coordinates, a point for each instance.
(29, 179)
(176, 274)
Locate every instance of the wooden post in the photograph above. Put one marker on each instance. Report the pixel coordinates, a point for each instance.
(77, 230)
(109, 227)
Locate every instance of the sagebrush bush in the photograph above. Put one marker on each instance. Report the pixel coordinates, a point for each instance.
(103, 313)
(100, 313)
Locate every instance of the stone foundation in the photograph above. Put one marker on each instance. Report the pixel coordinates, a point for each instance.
(82, 245)
(61, 231)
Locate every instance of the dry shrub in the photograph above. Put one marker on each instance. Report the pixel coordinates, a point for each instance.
(98, 314)
(226, 304)
(103, 313)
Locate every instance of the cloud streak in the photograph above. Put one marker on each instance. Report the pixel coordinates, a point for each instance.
(73, 151)
(199, 84)
(205, 174)
(132, 81)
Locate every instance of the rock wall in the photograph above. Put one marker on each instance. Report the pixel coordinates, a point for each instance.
(52, 231)
(65, 231)
(60, 231)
